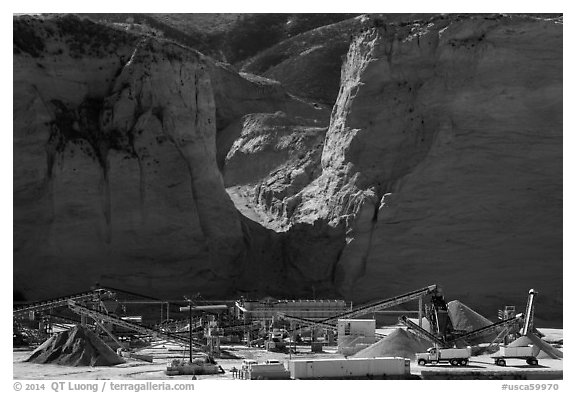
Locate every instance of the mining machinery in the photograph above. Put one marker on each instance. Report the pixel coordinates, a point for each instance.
(330, 323)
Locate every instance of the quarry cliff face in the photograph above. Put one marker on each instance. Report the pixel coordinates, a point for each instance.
(450, 142)
(117, 180)
(146, 165)
(443, 162)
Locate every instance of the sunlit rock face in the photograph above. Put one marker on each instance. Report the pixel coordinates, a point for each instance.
(442, 163)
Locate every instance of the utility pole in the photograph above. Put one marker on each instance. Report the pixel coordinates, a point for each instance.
(190, 327)
(189, 300)
(420, 311)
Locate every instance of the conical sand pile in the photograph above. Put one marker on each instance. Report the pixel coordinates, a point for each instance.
(78, 346)
(464, 318)
(400, 342)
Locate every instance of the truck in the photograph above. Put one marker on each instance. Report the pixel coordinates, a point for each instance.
(454, 356)
(527, 353)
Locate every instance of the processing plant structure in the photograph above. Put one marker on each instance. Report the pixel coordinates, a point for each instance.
(209, 332)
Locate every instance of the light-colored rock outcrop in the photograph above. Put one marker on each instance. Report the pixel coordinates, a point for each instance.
(479, 186)
(280, 155)
(443, 162)
(458, 135)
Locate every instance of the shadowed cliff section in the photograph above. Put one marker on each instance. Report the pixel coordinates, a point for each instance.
(117, 179)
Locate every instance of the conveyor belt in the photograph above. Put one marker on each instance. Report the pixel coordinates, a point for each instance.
(180, 323)
(382, 304)
(307, 322)
(487, 329)
(97, 315)
(240, 327)
(329, 323)
(310, 322)
(554, 353)
(421, 332)
(57, 302)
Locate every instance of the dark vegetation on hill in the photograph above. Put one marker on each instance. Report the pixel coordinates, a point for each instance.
(190, 37)
(254, 33)
(79, 37)
(226, 37)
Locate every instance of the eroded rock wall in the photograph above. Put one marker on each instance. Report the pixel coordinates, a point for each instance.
(116, 178)
(147, 165)
(447, 140)
(443, 163)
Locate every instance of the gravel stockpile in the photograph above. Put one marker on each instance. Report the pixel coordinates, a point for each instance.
(464, 318)
(400, 342)
(78, 346)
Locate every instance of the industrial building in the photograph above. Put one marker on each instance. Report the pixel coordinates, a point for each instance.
(267, 310)
(354, 334)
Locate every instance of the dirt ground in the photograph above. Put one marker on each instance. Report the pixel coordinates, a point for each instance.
(162, 353)
(479, 367)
